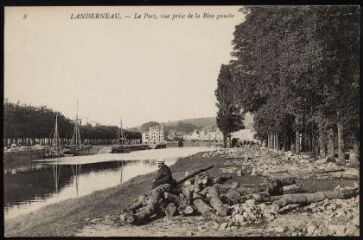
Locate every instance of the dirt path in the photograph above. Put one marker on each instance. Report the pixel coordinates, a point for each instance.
(301, 224)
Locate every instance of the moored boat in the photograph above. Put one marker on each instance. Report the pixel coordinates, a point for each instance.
(56, 150)
(120, 146)
(76, 148)
(157, 145)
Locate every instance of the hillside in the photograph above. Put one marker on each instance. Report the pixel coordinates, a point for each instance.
(198, 122)
(208, 122)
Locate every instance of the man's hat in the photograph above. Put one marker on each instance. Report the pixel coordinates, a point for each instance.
(161, 162)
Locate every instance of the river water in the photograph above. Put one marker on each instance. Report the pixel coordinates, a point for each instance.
(30, 186)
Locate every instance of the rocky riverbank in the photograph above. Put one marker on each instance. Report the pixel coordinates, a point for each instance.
(98, 214)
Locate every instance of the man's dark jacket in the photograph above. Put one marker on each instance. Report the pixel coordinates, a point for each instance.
(164, 176)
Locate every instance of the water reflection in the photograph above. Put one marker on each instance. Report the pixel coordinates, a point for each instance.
(76, 169)
(56, 172)
(27, 188)
(26, 191)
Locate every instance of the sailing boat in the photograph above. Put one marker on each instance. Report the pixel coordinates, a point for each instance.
(120, 147)
(55, 151)
(76, 147)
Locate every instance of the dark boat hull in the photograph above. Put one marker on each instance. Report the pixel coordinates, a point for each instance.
(129, 148)
(158, 145)
(84, 150)
(53, 155)
(120, 149)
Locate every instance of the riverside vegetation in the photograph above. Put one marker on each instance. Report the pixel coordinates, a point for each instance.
(296, 68)
(28, 122)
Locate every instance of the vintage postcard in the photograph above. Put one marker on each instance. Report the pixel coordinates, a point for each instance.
(187, 121)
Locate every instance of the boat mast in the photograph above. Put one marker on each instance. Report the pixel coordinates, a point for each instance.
(121, 133)
(77, 134)
(77, 125)
(118, 136)
(56, 135)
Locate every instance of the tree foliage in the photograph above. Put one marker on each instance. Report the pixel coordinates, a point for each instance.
(297, 69)
(229, 115)
(25, 121)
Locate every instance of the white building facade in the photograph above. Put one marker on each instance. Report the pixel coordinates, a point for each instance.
(204, 135)
(245, 135)
(154, 135)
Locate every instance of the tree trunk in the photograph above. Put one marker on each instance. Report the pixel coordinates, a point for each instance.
(184, 208)
(322, 142)
(225, 140)
(341, 155)
(231, 197)
(222, 188)
(151, 205)
(188, 194)
(194, 173)
(202, 207)
(285, 142)
(248, 190)
(161, 208)
(297, 142)
(273, 141)
(288, 208)
(354, 154)
(294, 188)
(203, 192)
(274, 185)
(206, 181)
(170, 198)
(197, 184)
(284, 180)
(331, 152)
(258, 197)
(216, 203)
(314, 149)
(263, 143)
(221, 179)
(170, 210)
(138, 204)
(307, 198)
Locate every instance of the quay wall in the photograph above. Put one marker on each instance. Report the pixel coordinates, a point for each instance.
(25, 155)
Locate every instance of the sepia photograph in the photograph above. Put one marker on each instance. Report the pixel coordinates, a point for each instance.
(181, 121)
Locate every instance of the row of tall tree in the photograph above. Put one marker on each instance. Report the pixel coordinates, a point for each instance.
(297, 68)
(26, 121)
(229, 115)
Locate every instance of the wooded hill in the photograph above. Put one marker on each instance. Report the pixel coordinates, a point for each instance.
(209, 122)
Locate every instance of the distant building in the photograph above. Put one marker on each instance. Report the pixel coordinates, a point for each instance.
(205, 135)
(244, 135)
(174, 135)
(154, 135)
(217, 135)
(171, 135)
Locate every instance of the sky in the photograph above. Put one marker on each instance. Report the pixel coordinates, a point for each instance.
(139, 70)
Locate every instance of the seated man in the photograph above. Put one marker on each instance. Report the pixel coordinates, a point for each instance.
(164, 175)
